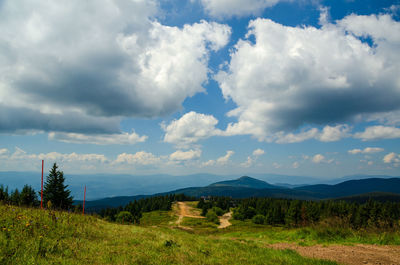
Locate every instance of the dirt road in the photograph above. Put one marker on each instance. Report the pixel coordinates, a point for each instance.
(186, 211)
(352, 255)
(224, 220)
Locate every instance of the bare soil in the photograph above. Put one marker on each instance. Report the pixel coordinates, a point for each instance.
(185, 210)
(352, 255)
(224, 220)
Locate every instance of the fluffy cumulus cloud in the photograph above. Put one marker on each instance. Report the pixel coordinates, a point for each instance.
(190, 128)
(392, 158)
(79, 66)
(367, 150)
(229, 8)
(220, 161)
(258, 152)
(378, 133)
(288, 78)
(21, 155)
(252, 159)
(139, 158)
(318, 159)
(99, 139)
(180, 155)
(327, 134)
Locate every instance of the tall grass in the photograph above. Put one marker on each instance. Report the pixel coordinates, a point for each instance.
(32, 236)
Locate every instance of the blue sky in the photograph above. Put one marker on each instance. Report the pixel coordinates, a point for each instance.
(226, 87)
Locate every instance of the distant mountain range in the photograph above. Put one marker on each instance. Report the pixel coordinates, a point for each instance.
(245, 187)
(111, 185)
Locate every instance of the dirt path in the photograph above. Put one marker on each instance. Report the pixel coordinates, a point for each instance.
(186, 211)
(352, 255)
(224, 220)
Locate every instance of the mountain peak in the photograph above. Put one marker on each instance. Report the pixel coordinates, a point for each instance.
(245, 181)
(246, 178)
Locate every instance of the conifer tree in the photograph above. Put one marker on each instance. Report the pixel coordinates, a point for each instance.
(28, 196)
(55, 190)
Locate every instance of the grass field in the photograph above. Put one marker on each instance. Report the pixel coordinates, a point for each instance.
(32, 236)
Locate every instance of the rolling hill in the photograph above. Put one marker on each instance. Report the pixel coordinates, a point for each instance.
(246, 187)
(353, 187)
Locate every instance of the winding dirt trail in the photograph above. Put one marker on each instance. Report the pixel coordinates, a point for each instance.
(185, 210)
(352, 255)
(224, 220)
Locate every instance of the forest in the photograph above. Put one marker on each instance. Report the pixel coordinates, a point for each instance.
(296, 213)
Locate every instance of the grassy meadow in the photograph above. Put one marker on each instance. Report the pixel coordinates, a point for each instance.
(34, 236)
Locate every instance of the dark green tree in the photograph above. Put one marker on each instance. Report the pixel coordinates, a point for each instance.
(15, 197)
(4, 194)
(28, 196)
(55, 190)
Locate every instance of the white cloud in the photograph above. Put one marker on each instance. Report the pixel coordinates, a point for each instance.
(229, 8)
(140, 158)
(223, 160)
(248, 163)
(3, 151)
(318, 158)
(295, 164)
(328, 134)
(392, 158)
(258, 152)
(294, 77)
(63, 60)
(367, 150)
(334, 133)
(99, 139)
(190, 128)
(252, 159)
(22, 155)
(185, 155)
(220, 161)
(378, 132)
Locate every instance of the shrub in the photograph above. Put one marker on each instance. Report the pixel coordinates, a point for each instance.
(258, 219)
(218, 211)
(212, 217)
(124, 217)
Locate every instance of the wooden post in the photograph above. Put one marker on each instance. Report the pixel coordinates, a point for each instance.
(84, 198)
(41, 194)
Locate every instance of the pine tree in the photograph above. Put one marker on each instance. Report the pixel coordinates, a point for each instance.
(28, 196)
(55, 190)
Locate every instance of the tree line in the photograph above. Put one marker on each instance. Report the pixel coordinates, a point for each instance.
(132, 212)
(296, 213)
(55, 193)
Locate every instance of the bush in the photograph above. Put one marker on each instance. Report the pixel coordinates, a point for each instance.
(258, 219)
(218, 211)
(124, 217)
(212, 217)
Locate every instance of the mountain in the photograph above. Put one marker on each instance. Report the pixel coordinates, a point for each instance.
(245, 187)
(309, 192)
(111, 185)
(110, 202)
(354, 177)
(353, 187)
(246, 182)
(376, 196)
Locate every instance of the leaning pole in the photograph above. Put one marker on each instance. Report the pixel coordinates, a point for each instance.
(84, 198)
(41, 194)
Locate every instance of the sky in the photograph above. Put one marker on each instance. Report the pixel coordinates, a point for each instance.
(303, 87)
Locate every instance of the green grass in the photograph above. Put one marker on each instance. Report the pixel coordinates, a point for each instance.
(158, 218)
(319, 234)
(31, 236)
(200, 225)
